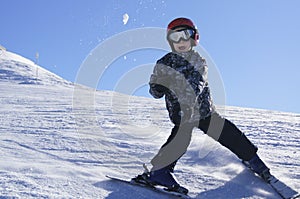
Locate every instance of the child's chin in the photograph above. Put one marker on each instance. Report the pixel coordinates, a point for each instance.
(182, 51)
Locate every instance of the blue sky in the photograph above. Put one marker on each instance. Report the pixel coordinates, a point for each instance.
(254, 43)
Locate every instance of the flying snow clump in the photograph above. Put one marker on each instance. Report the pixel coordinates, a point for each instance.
(125, 18)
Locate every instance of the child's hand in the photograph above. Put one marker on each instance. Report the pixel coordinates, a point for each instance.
(157, 90)
(161, 88)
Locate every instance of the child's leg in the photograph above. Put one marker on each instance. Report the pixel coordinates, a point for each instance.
(174, 148)
(227, 134)
(166, 159)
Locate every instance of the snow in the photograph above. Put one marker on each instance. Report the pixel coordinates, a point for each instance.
(57, 141)
(125, 18)
(24, 71)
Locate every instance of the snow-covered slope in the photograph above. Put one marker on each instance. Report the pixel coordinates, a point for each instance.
(17, 69)
(58, 142)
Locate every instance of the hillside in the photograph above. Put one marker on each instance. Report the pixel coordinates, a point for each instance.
(58, 142)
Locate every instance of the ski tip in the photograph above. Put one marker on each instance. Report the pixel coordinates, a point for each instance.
(297, 196)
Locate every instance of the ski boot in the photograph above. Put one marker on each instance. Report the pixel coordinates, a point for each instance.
(161, 177)
(165, 178)
(259, 167)
(143, 179)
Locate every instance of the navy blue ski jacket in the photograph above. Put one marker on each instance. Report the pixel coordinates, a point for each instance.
(182, 79)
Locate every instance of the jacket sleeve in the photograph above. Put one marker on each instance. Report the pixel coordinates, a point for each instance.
(203, 69)
(158, 81)
(205, 99)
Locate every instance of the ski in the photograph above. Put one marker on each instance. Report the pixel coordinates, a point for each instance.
(158, 189)
(283, 190)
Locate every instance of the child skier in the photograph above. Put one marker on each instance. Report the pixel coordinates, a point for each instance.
(181, 76)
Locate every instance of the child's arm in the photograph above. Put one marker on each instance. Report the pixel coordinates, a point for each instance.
(203, 69)
(158, 81)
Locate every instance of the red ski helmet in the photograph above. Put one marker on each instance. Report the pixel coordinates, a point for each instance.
(184, 22)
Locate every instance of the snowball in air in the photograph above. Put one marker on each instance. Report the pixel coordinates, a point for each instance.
(125, 18)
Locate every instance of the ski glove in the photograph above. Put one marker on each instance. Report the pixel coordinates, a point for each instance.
(157, 90)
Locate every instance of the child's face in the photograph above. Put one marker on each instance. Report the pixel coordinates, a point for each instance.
(182, 46)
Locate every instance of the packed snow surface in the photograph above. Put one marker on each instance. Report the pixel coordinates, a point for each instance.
(59, 140)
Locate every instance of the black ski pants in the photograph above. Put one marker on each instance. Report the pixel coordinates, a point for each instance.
(215, 126)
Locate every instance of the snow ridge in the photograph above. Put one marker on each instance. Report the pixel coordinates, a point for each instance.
(17, 69)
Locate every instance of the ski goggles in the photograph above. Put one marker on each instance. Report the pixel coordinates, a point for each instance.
(185, 35)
